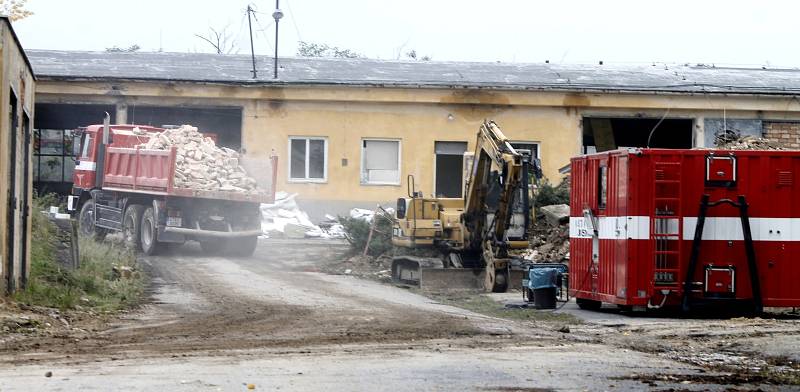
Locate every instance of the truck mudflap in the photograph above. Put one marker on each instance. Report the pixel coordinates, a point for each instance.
(200, 233)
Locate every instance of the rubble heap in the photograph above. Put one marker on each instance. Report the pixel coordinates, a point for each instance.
(731, 140)
(200, 164)
(549, 235)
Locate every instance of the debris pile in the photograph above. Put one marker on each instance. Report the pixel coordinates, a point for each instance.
(550, 235)
(731, 140)
(200, 164)
(285, 219)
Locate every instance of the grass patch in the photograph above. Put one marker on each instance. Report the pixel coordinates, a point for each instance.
(480, 303)
(94, 285)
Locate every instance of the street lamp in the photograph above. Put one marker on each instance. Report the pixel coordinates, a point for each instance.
(277, 15)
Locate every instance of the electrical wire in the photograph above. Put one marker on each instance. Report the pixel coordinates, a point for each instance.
(297, 30)
(656, 126)
(263, 30)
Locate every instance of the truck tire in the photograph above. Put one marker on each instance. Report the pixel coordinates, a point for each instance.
(86, 222)
(588, 304)
(131, 220)
(147, 234)
(241, 247)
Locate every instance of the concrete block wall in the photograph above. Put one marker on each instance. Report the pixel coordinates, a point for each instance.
(786, 133)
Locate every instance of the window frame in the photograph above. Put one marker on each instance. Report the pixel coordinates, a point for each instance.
(362, 172)
(306, 179)
(65, 157)
(537, 144)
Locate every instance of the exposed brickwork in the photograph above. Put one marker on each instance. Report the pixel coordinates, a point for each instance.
(785, 133)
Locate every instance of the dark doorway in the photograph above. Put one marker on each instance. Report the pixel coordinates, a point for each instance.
(604, 133)
(449, 168)
(12, 189)
(26, 168)
(225, 122)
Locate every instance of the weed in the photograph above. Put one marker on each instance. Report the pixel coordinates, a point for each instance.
(93, 285)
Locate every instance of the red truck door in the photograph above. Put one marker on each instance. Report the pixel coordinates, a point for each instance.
(85, 168)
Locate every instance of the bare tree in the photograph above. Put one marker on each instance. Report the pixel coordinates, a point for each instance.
(14, 9)
(219, 39)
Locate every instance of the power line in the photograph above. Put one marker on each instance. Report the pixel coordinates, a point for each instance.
(263, 30)
(289, 7)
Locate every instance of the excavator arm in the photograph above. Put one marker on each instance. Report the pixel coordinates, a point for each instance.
(498, 178)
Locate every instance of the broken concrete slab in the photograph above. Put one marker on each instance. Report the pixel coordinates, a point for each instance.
(556, 214)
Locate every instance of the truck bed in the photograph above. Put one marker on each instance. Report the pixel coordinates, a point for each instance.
(153, 172)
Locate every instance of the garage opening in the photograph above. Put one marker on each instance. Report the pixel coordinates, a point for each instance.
(54, 140)
(225, 122)
(606, 133)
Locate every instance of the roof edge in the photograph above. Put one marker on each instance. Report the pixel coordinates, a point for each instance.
(19, 44)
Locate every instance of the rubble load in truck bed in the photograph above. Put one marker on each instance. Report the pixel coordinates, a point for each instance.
(732, 140)
(200, 164)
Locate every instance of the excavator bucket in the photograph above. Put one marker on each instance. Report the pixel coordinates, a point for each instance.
(429, 274)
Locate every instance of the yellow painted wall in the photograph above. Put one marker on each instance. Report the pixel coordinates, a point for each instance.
(418, 117)
(417, 126)
(16, 76)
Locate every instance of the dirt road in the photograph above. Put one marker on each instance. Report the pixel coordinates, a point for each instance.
(275, 321)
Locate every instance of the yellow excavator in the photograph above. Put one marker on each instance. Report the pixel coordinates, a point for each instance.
(469, 241)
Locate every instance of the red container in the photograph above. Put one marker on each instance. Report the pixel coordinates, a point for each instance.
(634, 214)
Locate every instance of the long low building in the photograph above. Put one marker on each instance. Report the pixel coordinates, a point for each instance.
(349, 132)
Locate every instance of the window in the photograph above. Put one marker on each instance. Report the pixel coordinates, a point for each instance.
(603, 187)
(54, 151)
(533, 147)
(380, 162)
(449, 168)
(308, 159)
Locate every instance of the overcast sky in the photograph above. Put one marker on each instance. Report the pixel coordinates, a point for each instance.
(720, 32)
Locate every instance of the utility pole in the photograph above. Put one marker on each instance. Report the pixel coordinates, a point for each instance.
(252, 51)
(277, 15)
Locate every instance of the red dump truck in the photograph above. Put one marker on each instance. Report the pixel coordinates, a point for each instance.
(118, 186)
(654, 228)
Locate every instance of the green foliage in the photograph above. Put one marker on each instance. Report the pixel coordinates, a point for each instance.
(412, 54)
(93, 285)
(357, 231)
(548, 194)
(129, 49)
(311, 49)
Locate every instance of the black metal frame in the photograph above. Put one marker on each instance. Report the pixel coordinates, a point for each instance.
(741, 205)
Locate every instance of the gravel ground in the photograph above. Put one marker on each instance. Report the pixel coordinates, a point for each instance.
(275, 321)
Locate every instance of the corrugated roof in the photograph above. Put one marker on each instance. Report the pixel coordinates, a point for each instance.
(236, 69)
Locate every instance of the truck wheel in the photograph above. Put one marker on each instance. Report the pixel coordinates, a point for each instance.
(131, 221)
(147, 234)
(242, 247)
(86, 222)
(588, 304)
